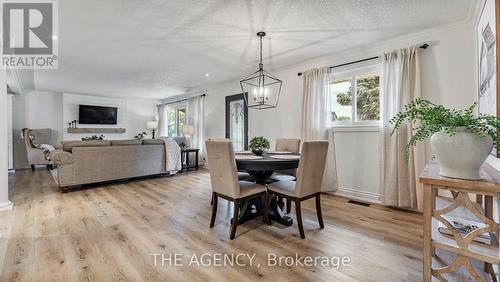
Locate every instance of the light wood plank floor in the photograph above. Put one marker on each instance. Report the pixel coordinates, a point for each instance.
(108, 233)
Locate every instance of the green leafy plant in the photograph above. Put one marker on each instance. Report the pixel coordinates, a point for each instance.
(427, 118)
(259, 143)
(93, 137)
(140, 136)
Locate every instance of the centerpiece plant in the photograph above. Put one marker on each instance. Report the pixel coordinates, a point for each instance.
(460, 140)
(259, 145)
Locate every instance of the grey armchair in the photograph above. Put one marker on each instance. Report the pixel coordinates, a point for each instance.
(32, 137)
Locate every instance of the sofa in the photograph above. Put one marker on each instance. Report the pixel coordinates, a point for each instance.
(92, 161)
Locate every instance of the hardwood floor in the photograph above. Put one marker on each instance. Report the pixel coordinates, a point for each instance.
(109, 232)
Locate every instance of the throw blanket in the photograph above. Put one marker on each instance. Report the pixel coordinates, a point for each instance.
(47, 148)
(172, 155)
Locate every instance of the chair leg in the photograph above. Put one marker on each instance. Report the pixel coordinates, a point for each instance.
(288, 205)
(318, 211)
(299, 218)
(214, 209)
(32, 167)
(212, 200)
(235, 219)
(265, 208)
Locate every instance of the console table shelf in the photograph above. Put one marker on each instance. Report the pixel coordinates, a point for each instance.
(436, 209)
(96, 130)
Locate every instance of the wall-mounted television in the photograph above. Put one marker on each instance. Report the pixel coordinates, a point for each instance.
(97, 115)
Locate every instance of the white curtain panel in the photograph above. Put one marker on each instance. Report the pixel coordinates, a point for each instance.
(316, 108)
(401, 84)
(196, 118)
(316, 119)
(162, 121)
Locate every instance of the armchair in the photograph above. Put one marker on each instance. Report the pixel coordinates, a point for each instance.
(32, 139)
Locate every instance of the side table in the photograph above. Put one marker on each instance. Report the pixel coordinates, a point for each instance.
(186, 164)
(437, 210)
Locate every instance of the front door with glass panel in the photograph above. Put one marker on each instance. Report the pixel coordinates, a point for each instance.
(237, 121)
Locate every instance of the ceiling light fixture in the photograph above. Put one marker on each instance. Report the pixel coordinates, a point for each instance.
(207, 74)
(261, 89)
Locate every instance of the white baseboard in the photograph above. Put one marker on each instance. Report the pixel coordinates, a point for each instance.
(6, 206)
(358, 195)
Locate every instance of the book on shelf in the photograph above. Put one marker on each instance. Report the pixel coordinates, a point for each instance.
(464, 227)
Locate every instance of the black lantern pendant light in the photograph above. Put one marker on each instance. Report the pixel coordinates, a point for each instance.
(261, 89)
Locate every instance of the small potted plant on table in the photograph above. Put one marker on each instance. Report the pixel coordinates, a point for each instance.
(460, 140)
(259, 145)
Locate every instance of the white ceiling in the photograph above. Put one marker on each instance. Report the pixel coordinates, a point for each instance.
(158, 48)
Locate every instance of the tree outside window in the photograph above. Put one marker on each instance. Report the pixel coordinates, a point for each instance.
(365, 106)
(176, 119)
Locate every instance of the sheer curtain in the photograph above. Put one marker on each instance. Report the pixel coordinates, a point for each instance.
(162, 120)
(401, 84)
(196, 118)
(316, 117)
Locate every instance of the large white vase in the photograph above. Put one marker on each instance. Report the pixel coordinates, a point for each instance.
(461, 155)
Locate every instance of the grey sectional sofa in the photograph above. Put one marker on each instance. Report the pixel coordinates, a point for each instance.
(83, 162)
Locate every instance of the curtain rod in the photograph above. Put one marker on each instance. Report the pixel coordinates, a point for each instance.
(181, 100)
(423, 46)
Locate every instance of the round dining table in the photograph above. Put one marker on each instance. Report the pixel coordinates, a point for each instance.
(260, 169)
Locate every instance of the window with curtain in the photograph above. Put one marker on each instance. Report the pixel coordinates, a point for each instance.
(176, 119)
(355, 96)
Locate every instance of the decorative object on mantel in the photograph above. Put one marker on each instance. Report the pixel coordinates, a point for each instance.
(259, 145)
(93, 137)
(460, 140)
(96, 130)
(262, 90)
(140, 136)
(153, 125)
(72, 124)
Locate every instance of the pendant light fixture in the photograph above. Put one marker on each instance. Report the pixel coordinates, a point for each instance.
(261, 89)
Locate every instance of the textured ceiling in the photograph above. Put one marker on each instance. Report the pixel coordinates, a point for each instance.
(158, 48)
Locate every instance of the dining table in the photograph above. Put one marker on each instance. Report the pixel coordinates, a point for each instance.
(260, 168)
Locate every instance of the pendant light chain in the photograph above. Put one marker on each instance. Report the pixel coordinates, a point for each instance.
(261, 66)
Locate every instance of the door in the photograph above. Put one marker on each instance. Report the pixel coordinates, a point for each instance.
(237, 121)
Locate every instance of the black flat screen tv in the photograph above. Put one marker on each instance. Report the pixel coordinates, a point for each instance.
(97, 115)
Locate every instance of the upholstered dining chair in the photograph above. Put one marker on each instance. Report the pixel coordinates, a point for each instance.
(225, 184)
(308, 183)
(286, 145)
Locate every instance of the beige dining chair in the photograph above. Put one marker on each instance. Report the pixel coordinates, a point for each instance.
(225, 184)
(309, 179)
(286, 145)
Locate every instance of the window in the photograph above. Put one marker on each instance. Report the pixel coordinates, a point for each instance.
(176, 119)
(355, 96)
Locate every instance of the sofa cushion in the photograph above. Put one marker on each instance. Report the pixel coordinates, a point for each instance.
(153, 142)
(69, 145)
(129, 142)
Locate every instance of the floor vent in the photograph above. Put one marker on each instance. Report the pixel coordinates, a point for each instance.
(359, 203)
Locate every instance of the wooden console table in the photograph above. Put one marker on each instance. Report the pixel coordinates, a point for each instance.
(462, 247)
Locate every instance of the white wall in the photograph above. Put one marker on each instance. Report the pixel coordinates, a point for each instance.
(448, 77)
(5, 204)
(40, 109)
